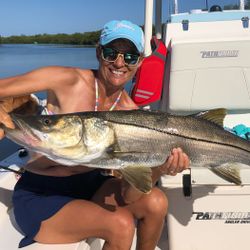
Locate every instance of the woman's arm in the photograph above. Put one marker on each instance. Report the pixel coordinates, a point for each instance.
(47, 78)
(15, 91)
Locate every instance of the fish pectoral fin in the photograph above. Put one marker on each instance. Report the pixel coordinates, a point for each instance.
(229, 172)
(139, 177)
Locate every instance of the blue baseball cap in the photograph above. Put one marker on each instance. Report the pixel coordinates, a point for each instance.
(123, 29)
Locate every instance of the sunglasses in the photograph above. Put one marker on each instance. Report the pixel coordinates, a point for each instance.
(111, 55)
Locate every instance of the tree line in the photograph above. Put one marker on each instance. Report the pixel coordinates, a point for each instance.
(86, 38)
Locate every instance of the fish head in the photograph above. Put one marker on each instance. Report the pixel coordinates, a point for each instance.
(69, 136)
(48, 132)
(97, 134)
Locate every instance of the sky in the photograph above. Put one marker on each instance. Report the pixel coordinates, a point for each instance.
(31, 17)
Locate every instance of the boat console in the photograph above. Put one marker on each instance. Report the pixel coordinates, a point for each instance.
(208, 67)
(208, 64)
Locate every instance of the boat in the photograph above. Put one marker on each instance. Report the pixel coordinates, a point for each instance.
(201, 61)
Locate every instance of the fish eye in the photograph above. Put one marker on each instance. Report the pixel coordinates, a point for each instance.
(46, 121)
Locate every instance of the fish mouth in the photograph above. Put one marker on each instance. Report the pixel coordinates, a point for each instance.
(27, 134)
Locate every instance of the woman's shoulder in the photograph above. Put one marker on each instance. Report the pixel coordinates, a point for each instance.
(86, 75)
(70, 74)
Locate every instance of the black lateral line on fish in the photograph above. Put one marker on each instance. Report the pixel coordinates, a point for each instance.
(182, 136)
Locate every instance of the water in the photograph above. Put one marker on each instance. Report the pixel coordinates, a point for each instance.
(18, 59)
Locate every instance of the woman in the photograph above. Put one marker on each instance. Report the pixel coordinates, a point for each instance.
(56, 204)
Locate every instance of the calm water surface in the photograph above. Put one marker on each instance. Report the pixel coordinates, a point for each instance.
(18, 59)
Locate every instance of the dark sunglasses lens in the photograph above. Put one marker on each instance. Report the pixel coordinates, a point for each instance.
(131, 59)
(109, 54)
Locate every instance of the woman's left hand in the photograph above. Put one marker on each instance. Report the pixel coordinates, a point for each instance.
(176, 163)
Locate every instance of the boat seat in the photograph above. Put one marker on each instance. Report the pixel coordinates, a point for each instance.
(92, 243)
(72, 246)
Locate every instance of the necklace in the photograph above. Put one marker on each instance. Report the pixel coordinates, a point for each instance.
(97, 98)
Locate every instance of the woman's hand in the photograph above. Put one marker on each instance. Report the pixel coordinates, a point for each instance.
(5, 108)
(20, 104)
(176, 163)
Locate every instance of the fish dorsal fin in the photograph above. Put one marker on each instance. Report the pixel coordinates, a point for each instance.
(139, 177)
(214, 115)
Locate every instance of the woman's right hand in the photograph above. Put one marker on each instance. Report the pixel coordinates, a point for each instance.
(25, 104)
(4, 117)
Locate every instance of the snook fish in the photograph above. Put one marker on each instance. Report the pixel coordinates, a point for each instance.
(133, 141)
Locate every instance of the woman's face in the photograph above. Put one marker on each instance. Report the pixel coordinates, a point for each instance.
(118, 62)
